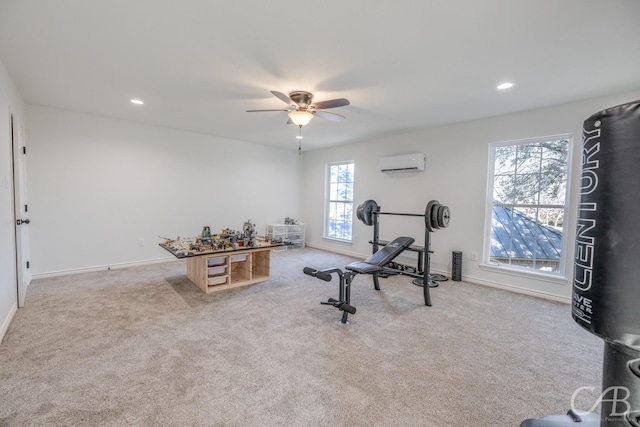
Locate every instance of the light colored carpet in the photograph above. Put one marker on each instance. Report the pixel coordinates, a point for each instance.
(143, 346)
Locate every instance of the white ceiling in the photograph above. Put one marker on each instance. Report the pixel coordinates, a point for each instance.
(404, 65)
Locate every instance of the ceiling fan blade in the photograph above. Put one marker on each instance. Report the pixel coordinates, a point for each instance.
(329, 116)
(332, 103)
(284, 98)
(259, 111)
(289, 122)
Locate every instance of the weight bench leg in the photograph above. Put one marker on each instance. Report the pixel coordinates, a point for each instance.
(425, 290)
(376, 284)
(344, 320)
(347, 296)
(344, 296)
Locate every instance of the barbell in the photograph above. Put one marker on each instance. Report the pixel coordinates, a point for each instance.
(436, 215)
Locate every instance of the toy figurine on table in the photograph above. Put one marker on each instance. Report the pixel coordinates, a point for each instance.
(226, 240)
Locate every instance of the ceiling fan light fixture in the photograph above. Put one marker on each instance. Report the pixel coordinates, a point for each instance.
(300, 118)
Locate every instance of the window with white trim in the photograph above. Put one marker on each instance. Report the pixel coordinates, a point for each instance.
(339, 200)
(527, 199)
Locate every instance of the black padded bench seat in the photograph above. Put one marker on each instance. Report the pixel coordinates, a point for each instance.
(412, 248)
(364, 268)
(376, 262)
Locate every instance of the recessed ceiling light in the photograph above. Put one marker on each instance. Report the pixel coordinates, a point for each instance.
(137, 101)
(506, 85)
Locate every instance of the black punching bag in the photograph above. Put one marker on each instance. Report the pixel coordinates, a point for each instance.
(606, 286)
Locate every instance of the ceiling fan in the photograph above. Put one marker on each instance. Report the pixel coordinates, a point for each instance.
(301, 108)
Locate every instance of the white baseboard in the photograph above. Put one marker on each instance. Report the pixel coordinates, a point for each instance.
(337, 251)
(100, 268)
(7, 321)
(517, 289)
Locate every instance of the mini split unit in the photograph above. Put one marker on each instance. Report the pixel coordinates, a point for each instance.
(404, 163)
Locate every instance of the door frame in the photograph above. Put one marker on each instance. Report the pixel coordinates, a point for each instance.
(20, 208)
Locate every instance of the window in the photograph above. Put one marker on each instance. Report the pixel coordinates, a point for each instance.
(527, 198)
(339, 201)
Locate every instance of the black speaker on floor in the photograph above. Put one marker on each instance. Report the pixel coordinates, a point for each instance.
(456, 266)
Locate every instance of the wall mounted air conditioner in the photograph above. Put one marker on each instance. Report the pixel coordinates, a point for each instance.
(404, 163)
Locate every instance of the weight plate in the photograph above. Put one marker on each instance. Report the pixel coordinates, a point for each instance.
(370, 206)
(427, 215)
(434, 216)
(360, 212)
(443, 216)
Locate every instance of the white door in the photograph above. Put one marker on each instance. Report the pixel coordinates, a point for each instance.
(21, 208)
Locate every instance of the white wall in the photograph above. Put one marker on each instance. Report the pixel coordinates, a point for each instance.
(456, 176)
(98, 185)
(10, 103)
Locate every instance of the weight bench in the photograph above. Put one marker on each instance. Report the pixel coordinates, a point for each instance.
(373, 265)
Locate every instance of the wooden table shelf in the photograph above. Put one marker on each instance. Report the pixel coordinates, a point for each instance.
(241, 268)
